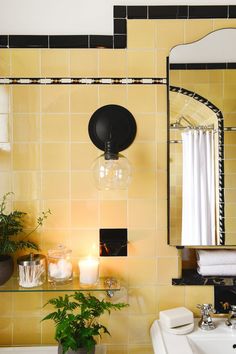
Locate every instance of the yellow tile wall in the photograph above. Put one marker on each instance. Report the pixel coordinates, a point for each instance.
(48, 167)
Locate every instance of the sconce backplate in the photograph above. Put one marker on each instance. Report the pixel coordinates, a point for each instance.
(112, 123)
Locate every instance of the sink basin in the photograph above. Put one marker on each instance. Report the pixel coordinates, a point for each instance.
(221, 340)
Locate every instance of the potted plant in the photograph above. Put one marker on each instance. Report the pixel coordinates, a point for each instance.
(76, 319)
(11, 228)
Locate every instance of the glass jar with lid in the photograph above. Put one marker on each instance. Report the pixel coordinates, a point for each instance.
(31, 270)
(59, 265)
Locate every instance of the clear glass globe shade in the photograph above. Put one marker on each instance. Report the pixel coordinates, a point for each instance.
(111, 174)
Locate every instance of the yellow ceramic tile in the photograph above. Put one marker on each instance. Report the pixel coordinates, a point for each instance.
(142, 155)
(141, 99)
(135, 63)
(25, 63)
(143, 184)
(141, 34)
(142, 300)
(84, 99)
(113, 213)
(167, 269)
(84, 214)
(55, 127)
(112, 63)
(116, 349)
(119, 333)
(84, 62)
(55, 156)
(26, 99)
(170, 33)
(26, 185)
(142, 214)
(108, 268)
(140, 333)
(6, 329)
(4, 63)
(60, 211)
(6, 182)
(55, 185)
(109, 94)
(33, 333)
(142, 271)
(55, 98)
(146, 127)
(161, 62)
(27, 305)
(163, 249)
(170, 297)
(223, 23)
(26, 156)
(55, 62)
(84, 243)
(83, 185)
(48, 333)
(79, 127)
(5, 96)
(50, 238)
(197, 29)
(140, 349)
(198, 295)
(25, 127)
(142, 243)
(161, 156)
(83, 156)
(6, 305)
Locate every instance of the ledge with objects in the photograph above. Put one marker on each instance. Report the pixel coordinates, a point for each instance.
(207, 267)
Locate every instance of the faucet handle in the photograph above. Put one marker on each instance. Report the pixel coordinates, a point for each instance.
(206, 308)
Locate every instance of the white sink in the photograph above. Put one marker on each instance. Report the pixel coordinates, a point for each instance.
(221, 340)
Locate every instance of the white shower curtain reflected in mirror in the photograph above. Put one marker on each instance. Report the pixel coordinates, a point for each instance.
(198, 195)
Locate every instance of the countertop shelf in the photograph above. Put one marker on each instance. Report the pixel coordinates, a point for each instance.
(109, 285)
(191, 277)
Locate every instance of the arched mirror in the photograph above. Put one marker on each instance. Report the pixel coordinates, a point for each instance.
(202, 141)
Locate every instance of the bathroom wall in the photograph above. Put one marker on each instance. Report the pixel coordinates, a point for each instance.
(48, 167)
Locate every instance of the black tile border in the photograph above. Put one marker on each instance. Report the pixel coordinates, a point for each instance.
(191, 277)
(120, 16)
(202, 66)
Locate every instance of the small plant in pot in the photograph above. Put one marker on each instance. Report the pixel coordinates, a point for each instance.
(12, 237)
(76, 319)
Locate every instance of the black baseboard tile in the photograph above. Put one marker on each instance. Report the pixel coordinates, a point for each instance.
(232, 11)
(167, 12)
(137, 12)
(28, 41)
(59, 41)
(100, 41)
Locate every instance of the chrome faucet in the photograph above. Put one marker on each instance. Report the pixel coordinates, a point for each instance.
(206, 322)
(231, 320)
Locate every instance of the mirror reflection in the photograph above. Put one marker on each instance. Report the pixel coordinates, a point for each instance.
(202, 142)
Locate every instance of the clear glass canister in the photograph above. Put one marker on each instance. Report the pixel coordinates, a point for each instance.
(31, 270)
(60, 265)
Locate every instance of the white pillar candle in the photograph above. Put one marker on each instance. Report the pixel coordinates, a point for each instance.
(89, 270)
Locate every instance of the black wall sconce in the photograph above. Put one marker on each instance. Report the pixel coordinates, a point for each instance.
(112, 128)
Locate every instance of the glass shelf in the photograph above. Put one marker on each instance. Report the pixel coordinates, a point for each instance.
(110, 285)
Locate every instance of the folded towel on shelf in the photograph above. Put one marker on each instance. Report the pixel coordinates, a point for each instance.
(217, 270)
(216, 257)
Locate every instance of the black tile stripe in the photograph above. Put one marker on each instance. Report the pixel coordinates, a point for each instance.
(119, 13)
(3, 41)
(200, 66)
(80, 41)
(28, 41)
(167, 12)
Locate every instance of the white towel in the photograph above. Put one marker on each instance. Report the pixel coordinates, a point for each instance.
(216, 257)
(218, 270)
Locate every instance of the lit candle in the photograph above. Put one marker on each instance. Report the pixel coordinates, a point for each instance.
(89, 270)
